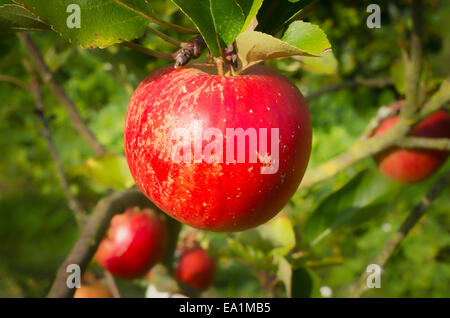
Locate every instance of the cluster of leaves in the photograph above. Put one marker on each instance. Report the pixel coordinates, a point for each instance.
(220, 22)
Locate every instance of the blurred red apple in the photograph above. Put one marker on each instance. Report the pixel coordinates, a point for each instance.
(196, 268)
(135, 241)
(413, 165)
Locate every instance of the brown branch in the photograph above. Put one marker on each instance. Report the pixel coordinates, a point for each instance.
(165, 37)
(156, 20)
(143, 49)
(413, 218)
(376, 82)
(73, 203)
(14, 80)
(94, 230)
(48, 78)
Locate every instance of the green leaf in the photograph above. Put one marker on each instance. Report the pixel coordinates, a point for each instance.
(250, 9)
(228, 19)
(326, 64)
(253, 47)
(14, 18)
(110, 170)
(398, 76)
(102, 22)
(276, 236)
(274, 14)
(305, 284)
(219, 21)
(307, 37)
(199, 12)
(284, 273)
(364, 197)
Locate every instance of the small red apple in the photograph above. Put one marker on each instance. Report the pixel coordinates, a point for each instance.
(196, 268)
(219, 153)
(413, 165)
(135, 241)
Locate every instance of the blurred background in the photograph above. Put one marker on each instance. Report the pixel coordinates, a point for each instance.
(37, 229)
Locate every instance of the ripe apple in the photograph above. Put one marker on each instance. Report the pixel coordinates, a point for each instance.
(135, 241)
(197, 144)
(413, 165)
(196, 268)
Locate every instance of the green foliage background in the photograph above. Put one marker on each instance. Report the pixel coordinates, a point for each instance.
(37, 229)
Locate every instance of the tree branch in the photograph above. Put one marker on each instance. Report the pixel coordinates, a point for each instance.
(48, 78)
(73, 203)
(165, 37)
(94, 230)
(413, 218)
(15, 81)
(376, 82)
(424, 143)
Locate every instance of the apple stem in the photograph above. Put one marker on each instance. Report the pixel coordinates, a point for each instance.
(219, 64)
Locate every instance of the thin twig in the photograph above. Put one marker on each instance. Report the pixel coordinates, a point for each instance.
(111, 283)
(156, 20)
(376, 82)
(424, 143)
(219, 63)
(165, 37)
(73, 203)
(143, 49)
(48, 78)
(413, 218)
(14, 80)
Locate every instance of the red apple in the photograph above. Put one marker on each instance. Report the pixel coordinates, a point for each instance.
(135, 241)
(196, 268)
(176, 144)
(413, 165)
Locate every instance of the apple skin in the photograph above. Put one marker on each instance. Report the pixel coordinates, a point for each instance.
(196, 268)
(221, 197)
(136, 240)
(414, 165)
(94, 290)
